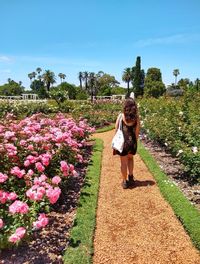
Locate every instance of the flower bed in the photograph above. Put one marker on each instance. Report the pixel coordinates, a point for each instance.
(175, 123)
(37, 155)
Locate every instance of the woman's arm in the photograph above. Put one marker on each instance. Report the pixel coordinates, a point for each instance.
(117, 123)
(137, 129)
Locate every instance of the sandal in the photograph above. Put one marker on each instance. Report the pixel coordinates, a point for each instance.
(124, 184)
(131, 179)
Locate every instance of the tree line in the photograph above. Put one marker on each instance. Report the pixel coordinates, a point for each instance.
(100, 83)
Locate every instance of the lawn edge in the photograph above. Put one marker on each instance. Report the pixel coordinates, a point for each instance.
(80, 250)
(188, 215)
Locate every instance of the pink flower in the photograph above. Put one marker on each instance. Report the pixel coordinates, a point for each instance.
(39, 167)
(12, 196)
(18, 235)
(56, 180)
(3, 177)
(18, 207)
(27, 163)
(3, 197)
(53, 194)
(30, 147)
(64, 168)
(41, 222)
(1, 223)
(16, 171)
(30, 172)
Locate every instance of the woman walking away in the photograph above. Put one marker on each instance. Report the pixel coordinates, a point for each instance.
(130, 128)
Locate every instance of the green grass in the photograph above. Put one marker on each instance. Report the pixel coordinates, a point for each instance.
(184, 210)
(105, 129)
(80, 250)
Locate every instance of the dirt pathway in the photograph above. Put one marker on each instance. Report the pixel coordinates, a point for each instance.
(136, 225)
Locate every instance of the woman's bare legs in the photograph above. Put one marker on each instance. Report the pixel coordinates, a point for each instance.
(124, 166)
(130, 164)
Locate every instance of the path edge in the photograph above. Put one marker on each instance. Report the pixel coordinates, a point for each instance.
(187, 214)
(81, 249)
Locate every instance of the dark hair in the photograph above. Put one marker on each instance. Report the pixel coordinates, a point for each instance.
(130, 110)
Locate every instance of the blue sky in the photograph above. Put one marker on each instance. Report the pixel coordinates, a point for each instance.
(71, 36)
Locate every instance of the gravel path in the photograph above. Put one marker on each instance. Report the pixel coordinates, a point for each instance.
(136, 225)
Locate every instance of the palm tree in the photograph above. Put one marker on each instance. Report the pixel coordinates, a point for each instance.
(60, 75)
(34, 75)
(30, 76)
(80, 77)
(85, 77)
(48, 78)
(92, 79)
(126, 77)
(63, 76)
(38, 70)
(176, 73)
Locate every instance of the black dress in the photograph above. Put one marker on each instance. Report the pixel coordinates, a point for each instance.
(130, 142)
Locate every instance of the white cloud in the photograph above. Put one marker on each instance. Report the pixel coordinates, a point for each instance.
(4, 59)
(174, 39)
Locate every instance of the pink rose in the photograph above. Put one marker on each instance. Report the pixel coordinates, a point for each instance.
(41, 222)
(18, 207)
(3, 177)
(56, 180)
(18, 235)
(39, 167)
(12, 196)
(1, 223)
(53, 194)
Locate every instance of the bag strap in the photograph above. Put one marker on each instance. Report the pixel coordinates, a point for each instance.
(120, 122)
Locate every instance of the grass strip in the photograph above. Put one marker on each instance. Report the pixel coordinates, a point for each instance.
(80, 249)
(188, 215)
(105, 129)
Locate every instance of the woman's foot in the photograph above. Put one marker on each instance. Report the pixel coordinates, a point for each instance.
(131, 179)
(124, 184)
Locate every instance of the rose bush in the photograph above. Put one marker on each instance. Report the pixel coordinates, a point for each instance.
(175, 123)
(37, 155)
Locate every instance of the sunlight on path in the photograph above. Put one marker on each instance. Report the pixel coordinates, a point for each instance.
(136, 225)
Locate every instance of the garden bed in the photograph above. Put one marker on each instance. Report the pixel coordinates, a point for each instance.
(174, 170)
(48, 245)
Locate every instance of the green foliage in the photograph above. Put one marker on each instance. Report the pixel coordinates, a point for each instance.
(176, 124)
(118, 90)
(153, 83)
(81, 94)
(11, 88)
(59, 95)
(138, 78)
(69, 88)
(37, 86)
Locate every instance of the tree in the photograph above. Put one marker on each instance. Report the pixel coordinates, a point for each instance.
(49, 78)
(30, 76)
(85, 78)
(92, 80)
(38, 70)
(69, 88)
(60, 75)
(176, 73)
(126, 77)
(153, 83)
(37, 86)
(11, 88)
(80, 77)
(137, 74)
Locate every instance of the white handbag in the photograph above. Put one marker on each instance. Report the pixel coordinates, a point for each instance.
(118, 139)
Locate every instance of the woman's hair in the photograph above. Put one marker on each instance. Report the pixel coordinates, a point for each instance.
(130, 110)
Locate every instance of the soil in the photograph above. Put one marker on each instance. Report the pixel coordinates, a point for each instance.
(136, 225)
(174, 170)
(48, 245)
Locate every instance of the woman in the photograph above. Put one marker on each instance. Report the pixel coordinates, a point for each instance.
(130, 128)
